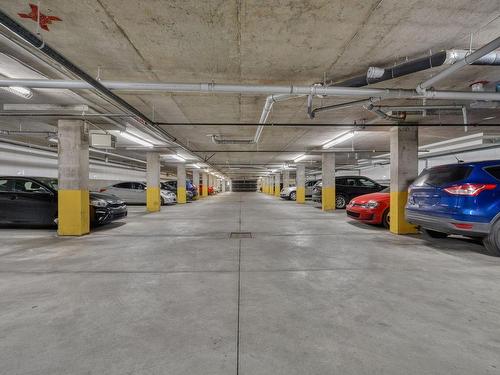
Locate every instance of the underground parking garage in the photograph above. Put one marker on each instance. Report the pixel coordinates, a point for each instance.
(233, 187)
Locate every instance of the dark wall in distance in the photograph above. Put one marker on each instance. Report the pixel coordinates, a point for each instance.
(244, 185)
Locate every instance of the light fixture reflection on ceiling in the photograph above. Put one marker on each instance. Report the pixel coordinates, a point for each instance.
(136, 139)
(340, 139)
(299, 158)
(23, 92)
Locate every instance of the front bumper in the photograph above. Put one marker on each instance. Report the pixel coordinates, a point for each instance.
(447, 225)
(104, 215)
(365, 215)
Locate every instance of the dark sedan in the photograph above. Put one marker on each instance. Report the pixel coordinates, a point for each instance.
(347, 188)
(33, 201)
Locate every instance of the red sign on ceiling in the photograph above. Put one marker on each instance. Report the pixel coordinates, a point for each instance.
(37, 16)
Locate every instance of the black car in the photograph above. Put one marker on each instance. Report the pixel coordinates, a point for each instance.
(33, 201)
(348, 187)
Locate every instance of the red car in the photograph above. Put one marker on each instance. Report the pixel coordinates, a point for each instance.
(371, 208)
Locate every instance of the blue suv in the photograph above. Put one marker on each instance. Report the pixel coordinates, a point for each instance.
(458, 199)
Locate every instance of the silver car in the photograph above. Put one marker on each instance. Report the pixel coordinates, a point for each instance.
(290, 192)
(135, 193)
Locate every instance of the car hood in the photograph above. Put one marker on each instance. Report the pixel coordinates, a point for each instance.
(110, 198)
(289, 189)
(378, 197)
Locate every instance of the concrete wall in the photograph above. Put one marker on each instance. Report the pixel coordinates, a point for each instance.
(41, 163)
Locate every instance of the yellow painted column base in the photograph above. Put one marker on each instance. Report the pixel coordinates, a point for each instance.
(153, 199)
(328, 198)
(73, 212)
(181, 195)
(398, 224)
(204, 192)
(301, 195)
(276, 192)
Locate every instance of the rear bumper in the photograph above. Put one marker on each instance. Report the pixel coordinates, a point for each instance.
(448, 225)
(285, 195)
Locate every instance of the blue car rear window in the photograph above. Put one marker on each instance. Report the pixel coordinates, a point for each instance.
(494, 171)
(443, 175)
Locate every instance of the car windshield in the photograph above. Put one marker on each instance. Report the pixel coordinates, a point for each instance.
(51, 182)
(386, 190)
(443, 175)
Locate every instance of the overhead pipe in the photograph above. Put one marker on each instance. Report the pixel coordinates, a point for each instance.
(220, 141)
(466, 60)
(385, 116)
(210, 88)
(312, 112)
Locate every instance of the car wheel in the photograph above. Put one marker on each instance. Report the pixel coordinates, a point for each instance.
(340, 201)
(293, 196)
(162, 201)
(492, 241)
(386, 219)
(430, 235)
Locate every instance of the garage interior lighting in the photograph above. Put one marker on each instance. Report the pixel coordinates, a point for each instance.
(23, 92)
(136, 139)
(340, 139)
(299, 158)
(196, 166)
(177, 157)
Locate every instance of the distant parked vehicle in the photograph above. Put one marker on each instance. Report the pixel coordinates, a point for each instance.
(371, 208)
(347, 188)
(191, 190)
(135, 193)
(290, 192)
(458, 199)
(33, 201)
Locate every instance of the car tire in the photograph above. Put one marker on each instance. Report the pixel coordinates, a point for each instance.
(431, 235)
(162, 201)
(492, 241)
(386, 219)
(340, 202)
(293, 196)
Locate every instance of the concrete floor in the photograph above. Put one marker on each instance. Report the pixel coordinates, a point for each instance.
(310, 293)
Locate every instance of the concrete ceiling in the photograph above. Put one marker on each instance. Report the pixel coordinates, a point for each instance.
(266, 42)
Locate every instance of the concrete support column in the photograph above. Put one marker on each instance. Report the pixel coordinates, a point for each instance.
(181, 183)
(73, 170)
(153, 199)
(277, 185)
(264, 185)
(301, 183)
(271, 185)
(404, 169)
(286, 179)
(328, 189)
(204, 190)
(196, 182)
(223, 186)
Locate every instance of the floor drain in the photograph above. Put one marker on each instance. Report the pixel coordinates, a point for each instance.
(241, 235)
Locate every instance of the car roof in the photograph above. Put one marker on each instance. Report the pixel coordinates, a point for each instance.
(483, 163)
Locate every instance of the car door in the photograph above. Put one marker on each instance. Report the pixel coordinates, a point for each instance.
(7, 195)
(367, 186)
(309, 187)
(123, 191)
(139, 191)
(33, 203)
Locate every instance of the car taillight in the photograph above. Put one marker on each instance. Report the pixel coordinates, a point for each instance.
(470, 190)
(101, 190)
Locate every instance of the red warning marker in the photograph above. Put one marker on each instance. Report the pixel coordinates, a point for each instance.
(44, 19)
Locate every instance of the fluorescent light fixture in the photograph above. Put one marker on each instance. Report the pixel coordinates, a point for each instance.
(489, 118)
(196, 166)
(299, 158)
(340, 139)
(178, 157)
(53, 139)
(23, 92)
(136, 139)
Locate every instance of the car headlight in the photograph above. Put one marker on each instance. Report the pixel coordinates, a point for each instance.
(98, 203)
(371, 204)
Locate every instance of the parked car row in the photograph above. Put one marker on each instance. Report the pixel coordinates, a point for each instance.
(461, 199)
(134, 192)
(33, 201)
(346, 188)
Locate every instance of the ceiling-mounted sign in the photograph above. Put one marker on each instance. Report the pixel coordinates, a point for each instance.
(37, 16)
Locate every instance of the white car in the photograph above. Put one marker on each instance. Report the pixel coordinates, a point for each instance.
(134, 192)
(290, 192)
